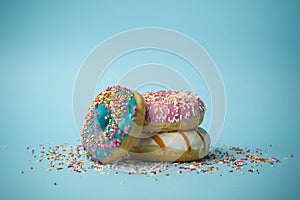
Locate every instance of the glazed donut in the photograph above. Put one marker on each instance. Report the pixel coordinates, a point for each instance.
(173, 146)
(172, 110)
(113, 123)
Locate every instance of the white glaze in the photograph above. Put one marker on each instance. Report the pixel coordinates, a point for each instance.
(175, 140)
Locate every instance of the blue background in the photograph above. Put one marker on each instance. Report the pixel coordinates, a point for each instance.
(255, 45)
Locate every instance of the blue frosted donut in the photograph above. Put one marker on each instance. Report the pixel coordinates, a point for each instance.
(113, 123)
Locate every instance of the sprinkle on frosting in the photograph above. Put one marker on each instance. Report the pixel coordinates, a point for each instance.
(172, 106)
(108, 122)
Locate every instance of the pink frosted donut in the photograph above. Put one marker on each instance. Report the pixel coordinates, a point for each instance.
(172, 110)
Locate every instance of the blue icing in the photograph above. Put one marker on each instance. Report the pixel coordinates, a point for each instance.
(127, 117)
(106, 125)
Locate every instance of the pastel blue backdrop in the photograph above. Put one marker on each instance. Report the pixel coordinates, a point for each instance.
(255, 45)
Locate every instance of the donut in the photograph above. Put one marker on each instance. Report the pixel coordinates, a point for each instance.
(113, 123)
(172, 110)
(173, 146)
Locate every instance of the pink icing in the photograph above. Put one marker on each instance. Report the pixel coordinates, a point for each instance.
(171, 106)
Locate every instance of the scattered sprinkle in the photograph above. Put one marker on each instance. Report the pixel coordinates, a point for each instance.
(73, 158)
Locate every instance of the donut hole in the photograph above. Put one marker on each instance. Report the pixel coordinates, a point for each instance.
(103, 116)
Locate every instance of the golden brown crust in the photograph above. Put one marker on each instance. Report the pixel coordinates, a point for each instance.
(169, 127)
(153, 153)
(134, 133)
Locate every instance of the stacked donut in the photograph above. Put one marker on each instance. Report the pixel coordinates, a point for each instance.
(155, 126)
(170, 131)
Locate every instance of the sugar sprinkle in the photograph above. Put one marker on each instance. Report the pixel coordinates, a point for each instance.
(233, 159)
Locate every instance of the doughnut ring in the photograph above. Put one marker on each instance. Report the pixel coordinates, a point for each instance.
(172, 110)
(113, 124)
(173, 146)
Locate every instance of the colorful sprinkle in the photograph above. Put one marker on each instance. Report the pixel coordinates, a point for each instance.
(172, 106)
(108, 121)
(74, 159)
